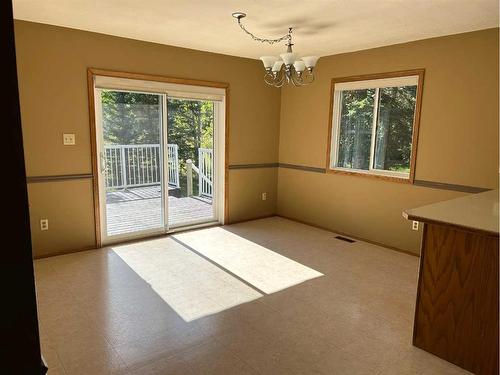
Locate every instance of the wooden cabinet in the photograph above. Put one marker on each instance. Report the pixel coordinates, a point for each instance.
(456, 316)
(457, 308)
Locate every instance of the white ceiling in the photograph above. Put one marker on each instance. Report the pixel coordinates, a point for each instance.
(321, 27)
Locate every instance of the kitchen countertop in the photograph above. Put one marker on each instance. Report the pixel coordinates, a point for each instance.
(477, 212)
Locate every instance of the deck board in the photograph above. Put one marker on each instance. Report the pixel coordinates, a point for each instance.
(139, 209)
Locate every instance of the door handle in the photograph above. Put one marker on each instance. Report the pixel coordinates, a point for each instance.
(103, 162)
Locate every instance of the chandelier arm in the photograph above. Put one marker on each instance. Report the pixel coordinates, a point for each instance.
(292, 77)
(311, 75)
(296, 78)
(269, 79)
(298, 81)
(282, 79)
(306, 79)
(279, 80)
(263, 40)
(275, 81)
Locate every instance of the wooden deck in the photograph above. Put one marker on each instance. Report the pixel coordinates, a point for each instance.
(139, 209)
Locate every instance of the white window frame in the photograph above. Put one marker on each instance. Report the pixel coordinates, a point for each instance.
(377, 84)
(165, 90)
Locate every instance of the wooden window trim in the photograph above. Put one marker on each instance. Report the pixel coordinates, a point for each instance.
(416, 123)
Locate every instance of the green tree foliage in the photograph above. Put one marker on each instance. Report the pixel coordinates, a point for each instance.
(134, 118)
(356, 128)
(393, 140)
(190, 125)
(130, 118)
(395, 128)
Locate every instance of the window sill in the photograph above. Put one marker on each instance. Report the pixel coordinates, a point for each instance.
(370, 174)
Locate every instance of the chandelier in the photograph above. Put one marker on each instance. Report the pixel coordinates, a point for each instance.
(287, 68)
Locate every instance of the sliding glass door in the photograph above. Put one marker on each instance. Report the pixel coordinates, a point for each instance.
(159, 161)
(132, 163)
(191, 129)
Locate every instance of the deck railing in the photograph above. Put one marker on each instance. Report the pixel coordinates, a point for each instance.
(173, 165)
(206, 171)
(139, 165)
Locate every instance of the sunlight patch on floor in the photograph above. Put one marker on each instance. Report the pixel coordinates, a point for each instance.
(264, 269)
(189, 284)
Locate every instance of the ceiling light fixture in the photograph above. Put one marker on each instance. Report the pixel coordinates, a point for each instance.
(289, 69)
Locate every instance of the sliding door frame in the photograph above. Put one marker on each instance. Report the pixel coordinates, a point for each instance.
(91, 74)
(105, 239)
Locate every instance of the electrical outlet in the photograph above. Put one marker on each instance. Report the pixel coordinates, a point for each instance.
(414, 225)
(44, 224)
(264, 196)
(69, 139)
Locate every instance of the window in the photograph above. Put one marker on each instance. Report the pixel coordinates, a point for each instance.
(374, 124)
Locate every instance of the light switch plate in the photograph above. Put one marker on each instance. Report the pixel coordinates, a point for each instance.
(69, 139)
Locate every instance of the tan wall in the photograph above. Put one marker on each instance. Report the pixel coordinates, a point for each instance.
(458, 142)
(458, 134)
(52, 64)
